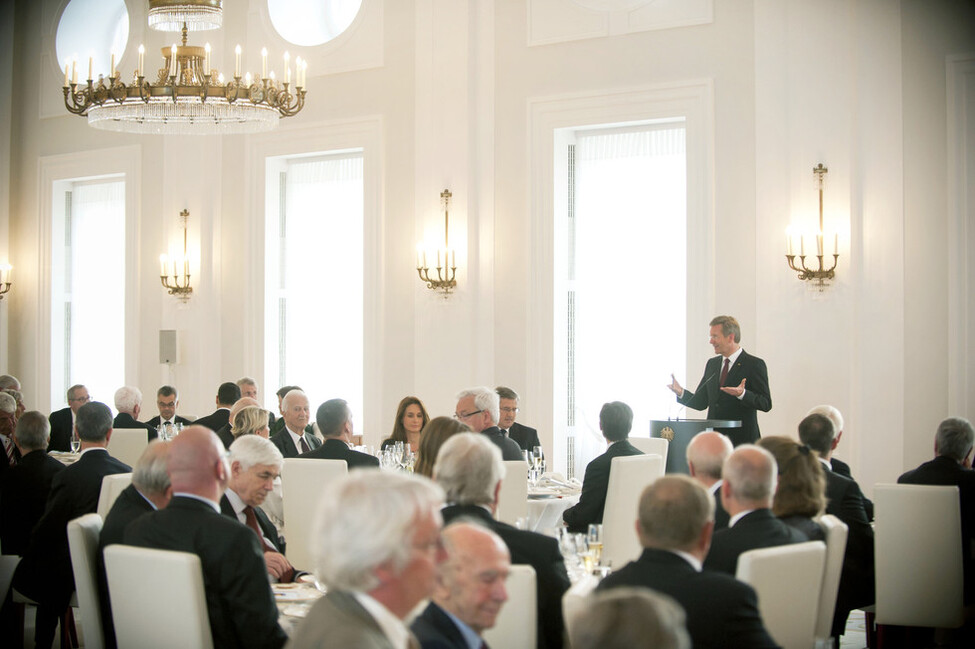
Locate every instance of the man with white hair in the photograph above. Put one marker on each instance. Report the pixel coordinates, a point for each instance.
(255, 463)
(128, 402)
(377, 550)
(9, 455)
(480, 408)
(749, 475)
(9, 382)
(294, 439)
(706, 454)
(470, 589)
(470, 470)
(835, 464)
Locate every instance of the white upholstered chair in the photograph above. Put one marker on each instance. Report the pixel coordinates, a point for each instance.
(112, 486)
(127, 444)
(83, 535)
(513, 499)
(628, 477)
(652, 446)
(303, 481)
(788, 580)
(836, 532)
(517, 623)
(158, 599)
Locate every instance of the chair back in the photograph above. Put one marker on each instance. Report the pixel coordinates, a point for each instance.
(8, 565)
(112, 486)
(303, 481)
(788, 610)
(917, 549)
(127, 444)
(836, 532)
(652, 446)
(513, 499)
(158, 599)
(83, 533)
(628, 477)
(516, 626)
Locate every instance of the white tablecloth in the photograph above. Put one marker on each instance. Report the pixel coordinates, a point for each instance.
(546, 513)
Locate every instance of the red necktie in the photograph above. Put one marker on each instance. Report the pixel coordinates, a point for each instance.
(304, 444)
(724, 372)
(251, 519)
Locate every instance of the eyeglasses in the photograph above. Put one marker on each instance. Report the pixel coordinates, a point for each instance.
(468, 415)
(84, 399)
(509, 410)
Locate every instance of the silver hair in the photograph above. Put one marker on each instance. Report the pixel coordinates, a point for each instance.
(468, 467)
(484, 399)
(751, 481)
(127, 398)
(954, 438)
(291, 395)
(33, 431)
(9, 382)
(637, 618)
(368, 519)
(251, 450)
(7, 403)
(149, 475)
(831, 413)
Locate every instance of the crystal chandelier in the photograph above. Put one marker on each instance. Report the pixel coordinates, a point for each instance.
(188, 96)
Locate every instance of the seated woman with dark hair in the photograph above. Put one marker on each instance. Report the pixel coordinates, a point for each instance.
(801, 492)
(411, 417)
(438, 431)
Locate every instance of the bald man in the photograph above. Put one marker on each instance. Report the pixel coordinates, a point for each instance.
(706, 455)
(239, 598)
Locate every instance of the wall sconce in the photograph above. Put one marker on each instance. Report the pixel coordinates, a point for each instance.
(174, 272)
(6, 270)
(446, 258)
(820, 275)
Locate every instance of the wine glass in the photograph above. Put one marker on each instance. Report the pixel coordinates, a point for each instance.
(539, 456)
(75, 443)
(595, 540)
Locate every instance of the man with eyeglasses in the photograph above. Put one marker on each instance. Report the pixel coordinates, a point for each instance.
(63, 420)
(480, 408)
(527, 438)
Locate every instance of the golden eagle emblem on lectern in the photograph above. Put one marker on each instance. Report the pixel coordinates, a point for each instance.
(667, 433)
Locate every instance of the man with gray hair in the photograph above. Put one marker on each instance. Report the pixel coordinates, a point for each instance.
(9, 382)
(470, 470)
(334, 418)
(377, 549)
(835, 464)
(635, 618)
(706, 454)
(749, 476)
(525, 436)
(9, 455)
(255, 463)
(63, 420)
(675, 525)
(167, 401)
(128, 402)
(294, 437)
(480, 408)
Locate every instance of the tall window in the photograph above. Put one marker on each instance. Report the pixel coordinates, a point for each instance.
(314, 270)
(88, 291)
(624, 285)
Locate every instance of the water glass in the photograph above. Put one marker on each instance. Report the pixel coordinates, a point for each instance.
(595, 540)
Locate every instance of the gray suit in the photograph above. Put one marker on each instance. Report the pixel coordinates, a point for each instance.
(338, 621)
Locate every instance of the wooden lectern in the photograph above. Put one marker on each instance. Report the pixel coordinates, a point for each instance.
(679, 433)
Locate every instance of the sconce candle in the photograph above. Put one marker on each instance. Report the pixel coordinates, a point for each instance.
(445, 278)
(820, 274)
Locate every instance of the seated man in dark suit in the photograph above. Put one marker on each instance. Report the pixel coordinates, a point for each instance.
(227, 395)
(630, 616)
(480, 409)
(835, 464)
(615, 421)
(706, 454)
(334, 419)
(676, 519)
(254, 465)
(26, 486)
(62, 421)
(44, 574)
(128, 402)
(470, 589)
(749, 476)
(527, 438)
(239, 599)
(167, 401)
(9, 453)
(470, 470)
(293, 438)
(952, 466)
(277, 423)
(248, 389)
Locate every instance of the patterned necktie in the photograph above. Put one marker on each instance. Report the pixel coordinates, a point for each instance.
(724, 371)
(304, 444)
(8, 446)
(251, 519)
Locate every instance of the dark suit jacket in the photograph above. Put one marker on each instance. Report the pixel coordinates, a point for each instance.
(263, 522)
(282, 439)
(45, 574)
(435, 630)
(239, 599)
(509, 448)
(721, 517)
(725, 406)
(125, 420)
(22, 499)
(843, 469)
(722, 612)
(154, 422)
(541, 553)
(215, 420)
(62, 427)
(757, 529)
(527, 438)
(592, 501)
(335, 449)
(225, 436)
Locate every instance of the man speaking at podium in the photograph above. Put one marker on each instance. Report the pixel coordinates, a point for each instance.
(734, 386)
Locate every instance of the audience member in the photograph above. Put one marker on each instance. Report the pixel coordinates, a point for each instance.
(411, 417)
(225, 433)
(278, 423)
(63, 420)
(377, 549)
(19, 400)
(835, 464)
(248, 388)
(128, 402)
(227, 395)
(675, 524)
(470, 470)
(706, 454)
(479, 408)
(9, 454)
(334, 419)
(800, 493)
(293, 438)
(9, 382)
(167, 401)
(525, 437)
(434, 434)
(44, 574)
(239, 600)
(615, 421)
(630, 618)
(251, 420)
(470, 589)
(749, 477)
